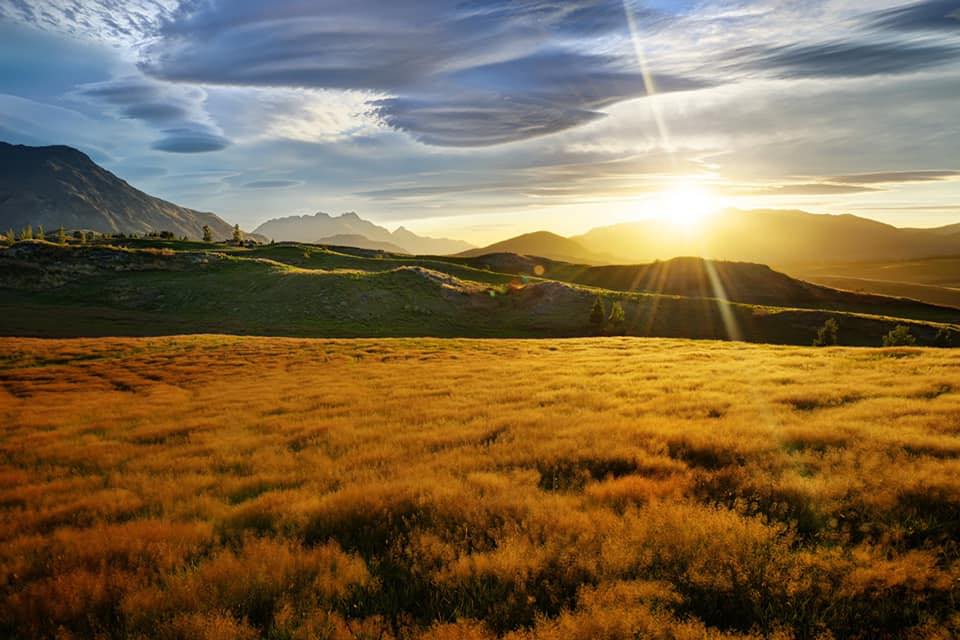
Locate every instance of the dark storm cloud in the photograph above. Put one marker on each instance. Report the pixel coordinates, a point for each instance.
(844, 58)
(934, 15)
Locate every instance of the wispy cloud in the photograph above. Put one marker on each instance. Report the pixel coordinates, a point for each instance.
(177, 111)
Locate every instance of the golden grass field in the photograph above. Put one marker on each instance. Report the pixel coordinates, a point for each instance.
(230, 488)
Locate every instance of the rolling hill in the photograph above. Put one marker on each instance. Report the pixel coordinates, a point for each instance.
(323, 225)
(358, 241)
(541, 244)
(148, 288)
(934, 280)
(61, 186)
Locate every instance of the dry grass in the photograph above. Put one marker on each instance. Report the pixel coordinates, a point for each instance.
(214, 487)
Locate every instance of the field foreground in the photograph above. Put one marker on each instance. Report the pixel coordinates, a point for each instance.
(222, 487)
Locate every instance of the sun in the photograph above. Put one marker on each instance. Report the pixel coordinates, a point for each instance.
(686, 205)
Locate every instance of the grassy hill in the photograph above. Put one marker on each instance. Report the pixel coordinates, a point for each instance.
(242, 488)
(933, 280)
(160, 288)
(543, 244)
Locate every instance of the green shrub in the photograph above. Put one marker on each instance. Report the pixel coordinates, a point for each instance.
(900, 336)
(827, 334)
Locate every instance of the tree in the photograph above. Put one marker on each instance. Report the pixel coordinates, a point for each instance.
(617, 319)
(598, 314)
(11, 237)
(207, 234)
(944, 338)
(827, 334)
(41, 235)
(237, 234)
(61, 236)
(900, 336)
(27, 233)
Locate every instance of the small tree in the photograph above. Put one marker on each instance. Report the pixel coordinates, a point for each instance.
(237, 234)
(41, 234)
(617, 319)
(598, 313)
(207, 234)
(61, 236)
(827, 334)
(944, 338)
(900, 336)
(11, 237)
(27, 233)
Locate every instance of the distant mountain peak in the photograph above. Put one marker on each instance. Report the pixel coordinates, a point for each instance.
(363, 233)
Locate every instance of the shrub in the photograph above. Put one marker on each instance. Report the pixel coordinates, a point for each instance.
(598, 313)
(237, 234)
(827, 334)
(900, 336)
(61, 236)
(944, 338)
(207, 233)
(617, 319)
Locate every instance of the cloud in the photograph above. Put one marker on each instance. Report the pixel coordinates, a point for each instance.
(185, 140)
(933, 15)
(896, 176)
(474, 74)
(843, 58)
(178, 111)
(271, 184)
(113, 21)
(805, 189)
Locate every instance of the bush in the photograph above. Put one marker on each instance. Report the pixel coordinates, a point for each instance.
(598, 313)
(617, 319)
(944, 338)
(207, 233)
(900, 336)
(827, 334)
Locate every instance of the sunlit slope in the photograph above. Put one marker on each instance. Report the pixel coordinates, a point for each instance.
(769, 237)
(222, 487)
(77, 291)
(935, 280)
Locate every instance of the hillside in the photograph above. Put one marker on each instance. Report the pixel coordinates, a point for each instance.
(61, 186)
(769, 237)
(323, 225)
(360, 242)
(541, 244)
(934, 280)
(298, 290)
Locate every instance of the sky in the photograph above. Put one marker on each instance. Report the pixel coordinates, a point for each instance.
(480, 119)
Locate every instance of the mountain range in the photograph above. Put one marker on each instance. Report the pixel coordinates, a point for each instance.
(321, 227)
(61, 186)
(763, 236)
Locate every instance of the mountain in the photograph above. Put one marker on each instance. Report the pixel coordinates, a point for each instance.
(323, 225)
(770, 237)
(948, 230)
(542, 244)
(61, 186)
(360, 242)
